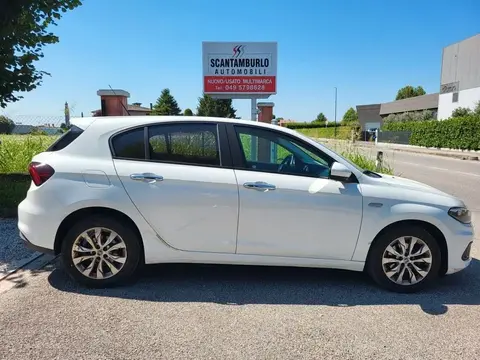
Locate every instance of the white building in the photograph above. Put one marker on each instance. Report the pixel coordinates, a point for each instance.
(460, 79)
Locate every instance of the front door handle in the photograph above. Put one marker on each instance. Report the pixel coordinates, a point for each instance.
(146, 177)
(259, 186)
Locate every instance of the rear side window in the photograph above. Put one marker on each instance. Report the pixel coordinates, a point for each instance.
(66, 139)
(129, 145)
(186, 143)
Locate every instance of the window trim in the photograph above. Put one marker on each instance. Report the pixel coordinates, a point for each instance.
(222, 142)
(239, 161)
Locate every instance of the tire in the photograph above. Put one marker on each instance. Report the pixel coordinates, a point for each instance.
(421, 279)
(124, 252)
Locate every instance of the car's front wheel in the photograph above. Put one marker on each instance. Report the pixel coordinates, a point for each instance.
(101, 251)
(404, 259)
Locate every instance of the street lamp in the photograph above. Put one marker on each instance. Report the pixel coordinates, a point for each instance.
(335, 124)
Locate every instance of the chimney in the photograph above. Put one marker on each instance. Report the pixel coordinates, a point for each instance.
(113, 102)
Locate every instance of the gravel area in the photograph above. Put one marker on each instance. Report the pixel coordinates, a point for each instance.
(13, 252)
(241, 312)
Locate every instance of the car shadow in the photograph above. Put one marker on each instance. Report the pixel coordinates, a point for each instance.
(242, 285)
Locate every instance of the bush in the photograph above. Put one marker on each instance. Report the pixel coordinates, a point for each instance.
(13, 189)
(6, 125)
(461, 112)
(424, 115)
(454, 133)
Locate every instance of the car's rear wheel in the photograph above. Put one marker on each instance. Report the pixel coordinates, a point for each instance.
(101, 251)
(404, 259)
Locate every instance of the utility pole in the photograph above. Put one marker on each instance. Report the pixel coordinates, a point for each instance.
(67, 115)
(335, 125)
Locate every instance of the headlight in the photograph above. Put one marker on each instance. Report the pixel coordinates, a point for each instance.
(461, 214)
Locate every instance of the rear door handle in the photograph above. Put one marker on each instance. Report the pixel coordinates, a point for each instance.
(146, 177)
(259, 186)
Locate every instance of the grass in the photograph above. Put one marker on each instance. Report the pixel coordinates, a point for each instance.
(13, 189)
(16, 151)
(343, 133)
(364, 160)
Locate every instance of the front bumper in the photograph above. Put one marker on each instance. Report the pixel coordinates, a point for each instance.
(459, 249)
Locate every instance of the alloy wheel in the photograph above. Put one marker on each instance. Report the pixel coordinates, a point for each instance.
(99, 253)
(407, 260)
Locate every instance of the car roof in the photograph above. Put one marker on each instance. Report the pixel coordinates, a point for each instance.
(108, 125)
(112, 123)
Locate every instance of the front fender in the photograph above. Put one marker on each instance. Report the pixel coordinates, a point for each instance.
(376, 219)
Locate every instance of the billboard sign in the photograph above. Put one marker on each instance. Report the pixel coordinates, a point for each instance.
(240, 68)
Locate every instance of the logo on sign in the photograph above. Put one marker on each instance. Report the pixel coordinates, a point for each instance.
(238, 51)
(448, 88)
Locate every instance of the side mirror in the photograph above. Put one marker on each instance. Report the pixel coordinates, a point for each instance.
(339, 172)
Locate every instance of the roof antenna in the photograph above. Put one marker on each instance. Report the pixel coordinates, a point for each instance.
(120, 102)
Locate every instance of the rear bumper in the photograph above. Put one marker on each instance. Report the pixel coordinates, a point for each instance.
(33, 247)
(37, 227)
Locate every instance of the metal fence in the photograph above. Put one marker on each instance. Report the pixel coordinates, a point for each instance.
(26, 124)
(395, 137)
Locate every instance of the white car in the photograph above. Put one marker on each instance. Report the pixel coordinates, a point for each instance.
(114, 193)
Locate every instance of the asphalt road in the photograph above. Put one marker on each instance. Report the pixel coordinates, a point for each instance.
(222, 312)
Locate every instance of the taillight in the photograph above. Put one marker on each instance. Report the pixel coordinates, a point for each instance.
(40, 172)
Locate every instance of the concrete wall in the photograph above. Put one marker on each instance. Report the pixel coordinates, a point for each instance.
(461, 68)
(417, 103)
(466, 98)
(461, 62)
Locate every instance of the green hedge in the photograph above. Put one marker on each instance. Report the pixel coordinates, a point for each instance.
(13, 189)
(454, 133)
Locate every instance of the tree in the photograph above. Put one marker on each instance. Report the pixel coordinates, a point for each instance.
(188, 112)
(23, 34)
(461, 112)
(207, 106)
(476, 111)
(409, 92)
(350, 117)
(166, 104)
(321, 118)
(6, 125)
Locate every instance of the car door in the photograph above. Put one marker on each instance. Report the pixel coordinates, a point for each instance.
(288, 204)
(179, 178)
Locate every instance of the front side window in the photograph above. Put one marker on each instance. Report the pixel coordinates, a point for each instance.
(271, 151)
(185, 143)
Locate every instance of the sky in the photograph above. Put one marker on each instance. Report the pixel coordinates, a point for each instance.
(366, 49)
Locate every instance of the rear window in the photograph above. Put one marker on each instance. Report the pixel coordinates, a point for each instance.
(130, 144)
(66, 139)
